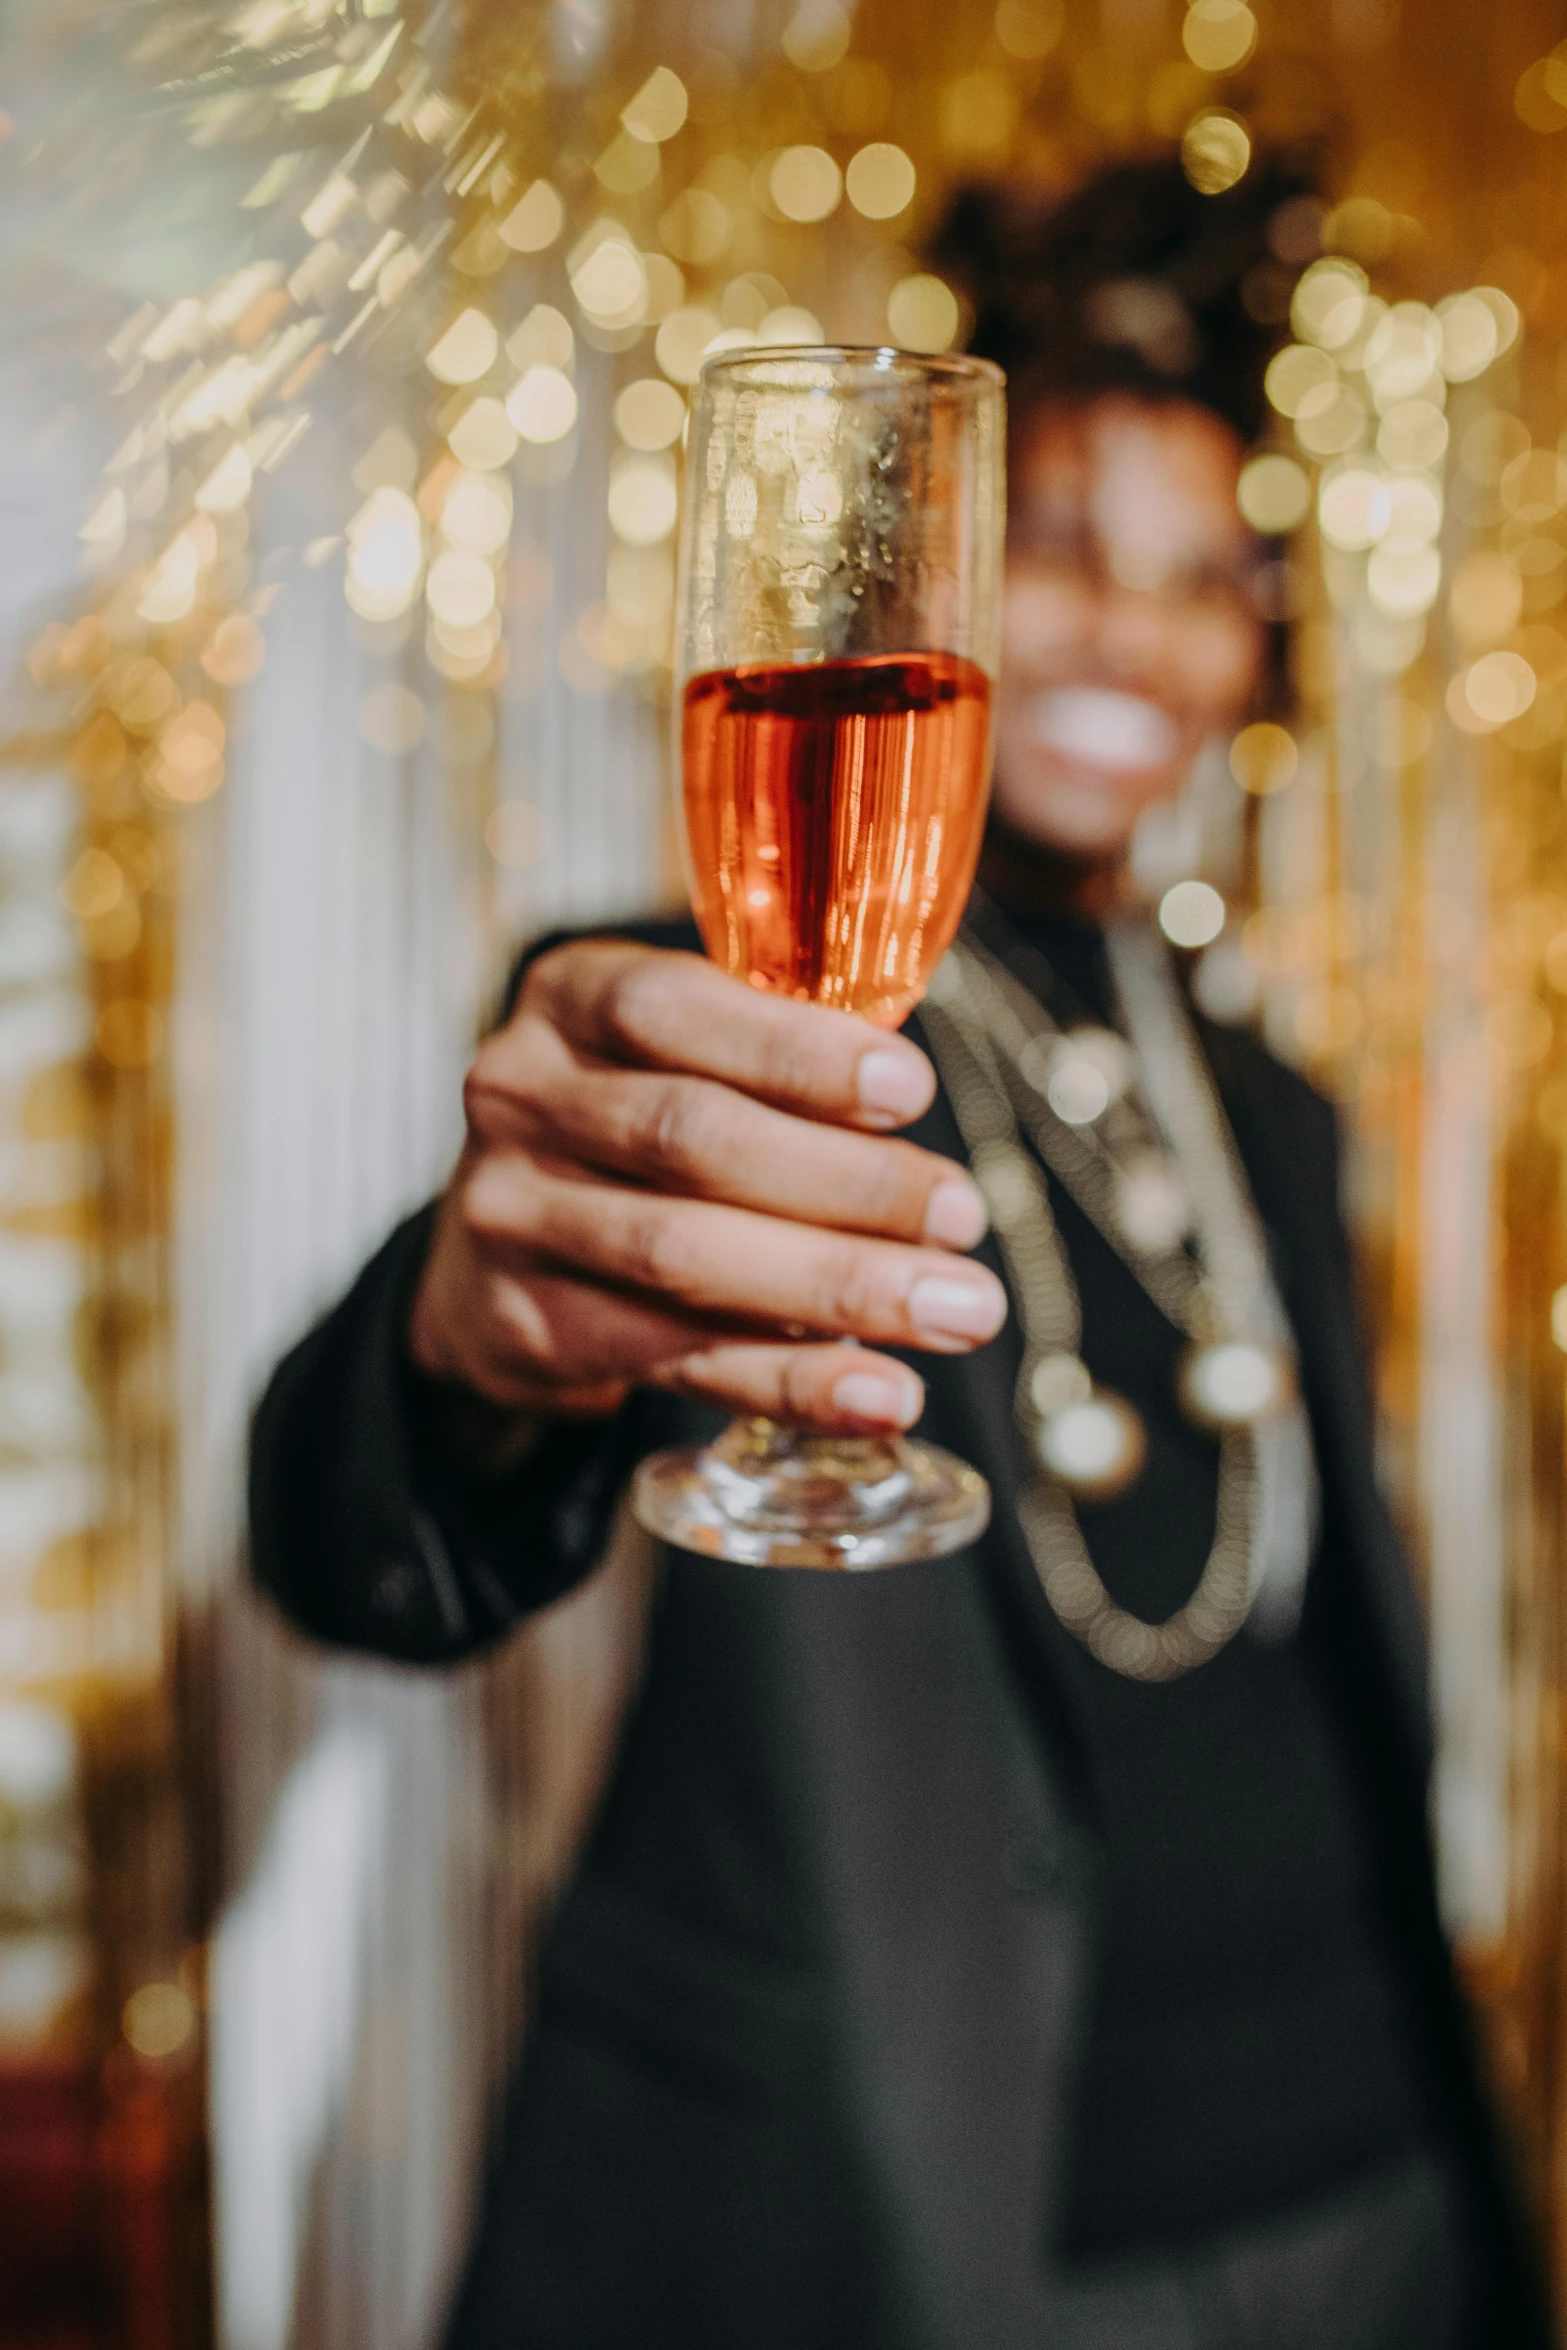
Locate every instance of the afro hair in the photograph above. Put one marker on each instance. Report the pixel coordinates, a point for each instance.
(1135, 283)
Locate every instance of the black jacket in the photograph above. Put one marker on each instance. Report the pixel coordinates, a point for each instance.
(804, 2053)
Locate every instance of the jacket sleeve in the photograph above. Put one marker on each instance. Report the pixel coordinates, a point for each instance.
(365, 1533)
(363, 1530)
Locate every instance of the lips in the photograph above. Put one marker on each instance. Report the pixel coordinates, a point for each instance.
(1099, 727)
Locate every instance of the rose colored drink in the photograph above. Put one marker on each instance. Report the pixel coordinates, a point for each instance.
(842, 508)
(833, 813)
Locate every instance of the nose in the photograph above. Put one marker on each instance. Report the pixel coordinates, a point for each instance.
(1133, 633)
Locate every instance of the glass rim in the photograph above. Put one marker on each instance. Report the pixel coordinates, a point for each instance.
(883, 359)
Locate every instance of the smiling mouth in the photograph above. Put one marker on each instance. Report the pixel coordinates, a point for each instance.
(1100, 727)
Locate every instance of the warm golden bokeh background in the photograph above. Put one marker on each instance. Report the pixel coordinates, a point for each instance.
(346, 363)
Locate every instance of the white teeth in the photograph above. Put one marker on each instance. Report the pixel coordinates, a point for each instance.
(1103, 728)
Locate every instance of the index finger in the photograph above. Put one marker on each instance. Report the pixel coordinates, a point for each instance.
(658, 1008)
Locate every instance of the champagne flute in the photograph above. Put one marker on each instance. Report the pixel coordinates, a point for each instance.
(838, 634)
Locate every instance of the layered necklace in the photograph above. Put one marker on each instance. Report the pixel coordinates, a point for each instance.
(1131, 1127)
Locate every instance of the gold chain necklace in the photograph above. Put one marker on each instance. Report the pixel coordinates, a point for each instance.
(993, 1042)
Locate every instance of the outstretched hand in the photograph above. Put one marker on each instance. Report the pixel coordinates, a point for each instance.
(672, 1180)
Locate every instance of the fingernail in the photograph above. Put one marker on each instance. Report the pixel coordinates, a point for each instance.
(866, 1395)
(956, 1309)
(893, 1086)
(955, 1213)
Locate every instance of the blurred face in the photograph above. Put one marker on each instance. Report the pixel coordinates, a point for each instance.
(1129, 632)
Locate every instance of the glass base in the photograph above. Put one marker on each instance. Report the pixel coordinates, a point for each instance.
(767, 1496)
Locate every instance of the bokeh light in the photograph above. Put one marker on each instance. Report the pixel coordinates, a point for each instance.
(1218, 35)
(1414, 511)
(1494, 441)
(608, 277)
(1540, 95)
(1470, 340)
(923, 314)
(683, 338)
(1329, 303)
(543, 339)
(1354, 506)
(1339, 426)
(790, 323)
(1302, 380)
(696, 227)
(228, 485)
(1412, 435)
(466, 350)
(659, 108)
(385, 555)
(460, 589)
(235, 651)
(805, 183)
(1029, 29)
(1191, 913)
(1403, 581)
(543, 406)
(535, 220)
(1494, 689)
(649, 414)
(1215, 147)
(1264, 758)
(172, 584)
(642, 499)
(476, 514)
(880, 181)
(1533, 485)
(817, 36)
(159, 2020)
(484, 437)
(1274, 493)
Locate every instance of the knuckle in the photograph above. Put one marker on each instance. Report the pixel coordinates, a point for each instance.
(682, 1126)
(545, 978)
(799, 1385)
(657, 1251)
(639, 1001)
(495, 1201)
(505, 1074)
(898, 1182)
(484, 1072)
(703, 1373)
(841, 1287)
(474, 1211)
(479, 1097)
(799, 1062)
